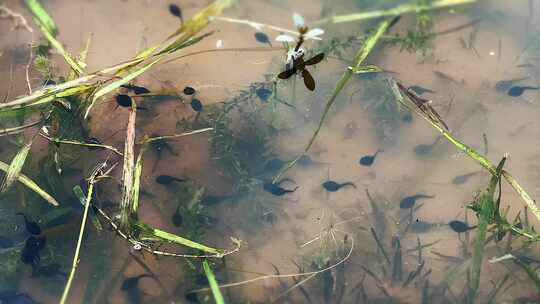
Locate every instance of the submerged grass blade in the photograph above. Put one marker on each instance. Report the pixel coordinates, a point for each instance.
(15, 167)
(487, 210)
(481, 159)
(154, 233)
(137, 180)
(126, 204)
(218, 297)
(396, 11)
(361, 55)
(42, 16)
(25, 180)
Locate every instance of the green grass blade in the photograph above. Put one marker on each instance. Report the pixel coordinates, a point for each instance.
(396, 11)
(42, 16)
(60, 48)
(25, 180)
(154, 233)
(15, 167)
(218, 297)
(137, 180)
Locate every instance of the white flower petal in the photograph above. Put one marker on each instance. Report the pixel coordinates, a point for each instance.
(284, 38)
(313, 33)
(298, 20)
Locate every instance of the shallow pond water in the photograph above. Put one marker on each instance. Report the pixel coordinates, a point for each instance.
(356, 244)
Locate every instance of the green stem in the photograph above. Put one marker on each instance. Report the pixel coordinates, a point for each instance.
(79, 242)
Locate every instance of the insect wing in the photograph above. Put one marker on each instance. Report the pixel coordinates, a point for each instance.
(314, 60)
(308, 80)
(287, 73)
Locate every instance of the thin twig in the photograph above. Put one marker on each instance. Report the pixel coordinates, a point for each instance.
(273, 276)
(17, 18)
(98, 173)
(77, 143)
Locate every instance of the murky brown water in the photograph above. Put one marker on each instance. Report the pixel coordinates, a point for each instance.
(306, 227)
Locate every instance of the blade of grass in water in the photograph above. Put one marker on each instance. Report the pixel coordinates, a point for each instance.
(126, 204)
(25, 180)
(481, 159)
(487, 205)
(15, 167)
(43, 17)
(396, 11)
(218, 297)
(361, 55)
(148, 232)
(137, 180)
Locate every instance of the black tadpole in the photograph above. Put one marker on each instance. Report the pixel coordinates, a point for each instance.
(167, 179)
(276, 189)
(176, 11)
(459, 226)
(262, 38)
(409, 201)
(333, 186)
(189, 90)
(31, 226)
(518, 90)
(368, 159)
(196, 105)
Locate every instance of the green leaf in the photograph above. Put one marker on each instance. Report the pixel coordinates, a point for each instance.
(154, 233)
(218, 297)
(15, 167)
(42, 16)
(365, 69)
(25, 180)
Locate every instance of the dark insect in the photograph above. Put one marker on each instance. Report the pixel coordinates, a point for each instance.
(262, 38)
(189, 90)
(6, 242)
(31, 226)
(409, 201)
(138, 90)
(333, 186)
(461, 179)
(459, 226)
(167, 179)
(420, 90)
(518, 91)
(276, 189)
(368, 159)
(196, 105)
(263, 93)
(299, 65)
(503, 86)
(31, 249)
(177, 12)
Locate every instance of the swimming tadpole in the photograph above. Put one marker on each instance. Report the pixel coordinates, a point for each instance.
(409, 201)
(368, 160)
(31, 226)
(459, 226)
(332, 186)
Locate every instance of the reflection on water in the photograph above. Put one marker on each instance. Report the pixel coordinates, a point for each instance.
(374, 212)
